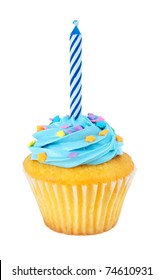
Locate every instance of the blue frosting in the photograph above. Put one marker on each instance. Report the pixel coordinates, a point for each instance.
(72, 148)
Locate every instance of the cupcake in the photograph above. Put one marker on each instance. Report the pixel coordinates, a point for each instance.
(77, 170)
(78, 174)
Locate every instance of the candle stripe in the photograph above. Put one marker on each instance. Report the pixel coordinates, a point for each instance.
(75, 89)
(77, 85)
(75, 64)
(77, 109)
(74, 56)
(77, 56)
(77, 97)
(72, 77)
(74, 95)
(75, 73)
(79, 112)
(74, 43)
(76, 92)
(75, 47)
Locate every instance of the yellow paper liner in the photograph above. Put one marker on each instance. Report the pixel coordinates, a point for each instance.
(80, 209)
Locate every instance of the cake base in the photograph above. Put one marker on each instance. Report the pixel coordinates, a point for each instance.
(83, 208)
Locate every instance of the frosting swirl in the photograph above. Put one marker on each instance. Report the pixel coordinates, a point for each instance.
(67, 142)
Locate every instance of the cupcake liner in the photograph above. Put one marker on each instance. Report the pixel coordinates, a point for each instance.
(80, 209)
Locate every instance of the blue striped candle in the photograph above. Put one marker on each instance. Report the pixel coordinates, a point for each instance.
(75, 72)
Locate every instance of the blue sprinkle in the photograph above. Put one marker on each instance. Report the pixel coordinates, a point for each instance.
(101, 124)
(56, 119)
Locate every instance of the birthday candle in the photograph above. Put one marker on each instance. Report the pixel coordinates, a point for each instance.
(75, 72)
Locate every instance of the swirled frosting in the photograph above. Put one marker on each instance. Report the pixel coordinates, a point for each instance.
(67, 142)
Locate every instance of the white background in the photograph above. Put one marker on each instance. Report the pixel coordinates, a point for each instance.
(122, 81)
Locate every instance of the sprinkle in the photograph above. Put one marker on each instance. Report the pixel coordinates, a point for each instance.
(60, 133)
(72, 155)
(104, 132)
(65, 126)
(42, 157)
(78, 127)
(55, 119)
(91, 116)
(45, 126)
(90, 138)
(69, 131)
(99, 119)
(40, 127)
(119, 138)
(30, 144)
(101, 124)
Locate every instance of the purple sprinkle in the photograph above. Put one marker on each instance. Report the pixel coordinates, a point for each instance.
(69, 131)
(65, 126)
(78, 127)
(91, 116)
(72, 155)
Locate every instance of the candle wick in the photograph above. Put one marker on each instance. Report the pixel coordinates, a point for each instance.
(76, 22)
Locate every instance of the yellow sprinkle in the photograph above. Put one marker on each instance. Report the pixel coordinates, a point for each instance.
(104, 132)
(90, 138)
(42, 157)
(60, 133)
(119, 138)
(40, 127)
(30, 144)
